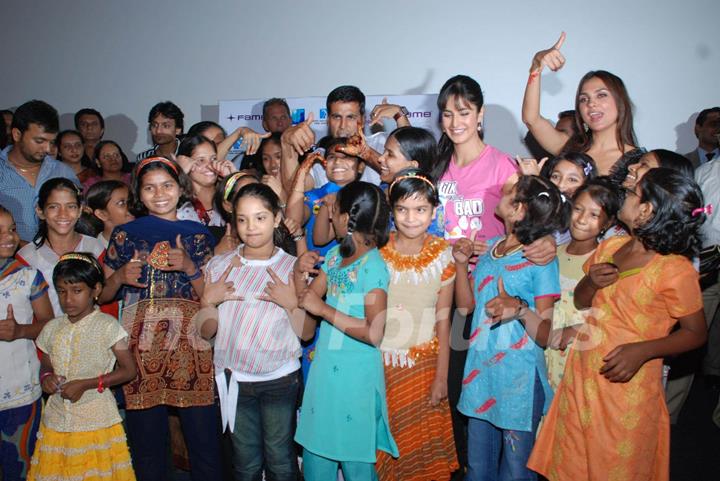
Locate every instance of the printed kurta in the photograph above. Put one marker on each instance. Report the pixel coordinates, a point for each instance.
(599, 430)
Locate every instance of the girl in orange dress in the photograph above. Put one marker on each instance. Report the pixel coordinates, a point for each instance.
(608, 420)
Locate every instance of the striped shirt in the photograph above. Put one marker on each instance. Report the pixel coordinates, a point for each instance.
(254, 336)
(152, 152)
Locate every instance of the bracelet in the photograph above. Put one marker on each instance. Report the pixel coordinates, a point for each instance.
(523, 305)
(44, 375)
(298, 237)
(197, 275)
(100, 387)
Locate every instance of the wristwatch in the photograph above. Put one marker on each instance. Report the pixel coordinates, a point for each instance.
(403, 113)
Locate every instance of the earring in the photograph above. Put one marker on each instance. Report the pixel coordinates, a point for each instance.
(585, 127)
(479, 126)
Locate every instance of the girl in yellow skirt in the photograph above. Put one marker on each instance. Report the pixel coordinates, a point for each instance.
(81, 436)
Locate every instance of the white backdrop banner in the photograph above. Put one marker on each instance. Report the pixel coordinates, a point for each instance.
(248, 113)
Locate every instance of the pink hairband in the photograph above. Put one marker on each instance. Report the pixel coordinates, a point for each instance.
(707, 210)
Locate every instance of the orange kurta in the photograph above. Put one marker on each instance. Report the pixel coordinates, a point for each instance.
(598, 430)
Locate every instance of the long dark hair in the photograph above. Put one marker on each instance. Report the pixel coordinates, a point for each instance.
(460, 87)
(268, 197)
(624, 131)
(368, 213)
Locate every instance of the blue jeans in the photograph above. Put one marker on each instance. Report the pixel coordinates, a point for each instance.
(496, 454)
(264, 430)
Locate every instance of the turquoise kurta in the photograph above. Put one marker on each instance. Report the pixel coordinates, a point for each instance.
(344, 414)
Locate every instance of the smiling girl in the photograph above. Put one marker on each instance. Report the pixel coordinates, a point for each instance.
(154, 265)
(201, 152)
(59, 208)
(594, 208)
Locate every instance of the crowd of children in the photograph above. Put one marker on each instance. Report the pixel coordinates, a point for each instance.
(266, 315)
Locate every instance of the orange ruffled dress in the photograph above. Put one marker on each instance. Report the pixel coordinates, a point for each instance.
(598, 430)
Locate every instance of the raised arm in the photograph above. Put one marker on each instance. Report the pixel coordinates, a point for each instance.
(294, 142)
(251, 141)
(323, 230)
(296, 208)
(541, 128)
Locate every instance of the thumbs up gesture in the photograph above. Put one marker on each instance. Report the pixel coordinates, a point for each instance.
(9, 328)
(179, 260)
(301, 136)
(132, 271)
(551, 57)
(503, 307)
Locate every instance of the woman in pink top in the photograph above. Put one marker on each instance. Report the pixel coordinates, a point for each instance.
(473, 176)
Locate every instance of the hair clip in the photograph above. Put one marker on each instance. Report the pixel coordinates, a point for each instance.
(707, 210)
(563, 198)
(162, 160)
(587, 169)
(412, 175)
(544, 194)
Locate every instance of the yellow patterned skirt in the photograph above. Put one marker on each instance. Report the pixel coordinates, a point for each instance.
(88, 455)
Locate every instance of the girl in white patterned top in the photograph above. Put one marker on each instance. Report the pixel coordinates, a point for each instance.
(81, 435)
